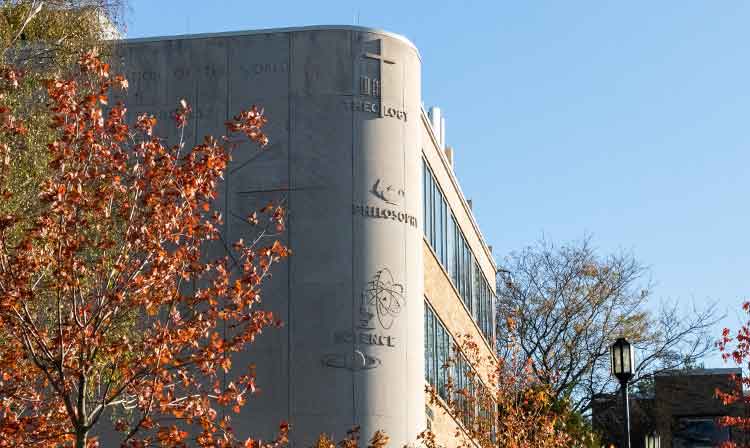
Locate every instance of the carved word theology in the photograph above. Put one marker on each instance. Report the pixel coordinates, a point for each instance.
(376, 108)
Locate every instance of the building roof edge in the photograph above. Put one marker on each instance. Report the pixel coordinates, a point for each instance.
(295, 29)
(457, 186)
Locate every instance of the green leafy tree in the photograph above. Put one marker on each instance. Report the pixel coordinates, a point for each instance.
(38, 41)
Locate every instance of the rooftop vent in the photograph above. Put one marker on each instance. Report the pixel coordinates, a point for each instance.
(438, 125)
(449, 155)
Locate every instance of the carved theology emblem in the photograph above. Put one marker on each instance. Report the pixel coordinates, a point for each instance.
(372, 86)
(382, 298)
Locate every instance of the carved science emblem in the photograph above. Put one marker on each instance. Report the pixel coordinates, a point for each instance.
(381, 302)
(373, 88)
(383, 296)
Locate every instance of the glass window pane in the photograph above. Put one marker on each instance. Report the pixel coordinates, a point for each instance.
(488, 313)
(461, 268)
(431, 349)
(443, 230)
(446, 355)
(424, 197)
(459, 262)
(441, 221)
(466, 272)
(440, 225)
(434, 211)
(430, 212)
(440, 359)
(456, 258)
(473, 293)
(428, 345)
(446, 217)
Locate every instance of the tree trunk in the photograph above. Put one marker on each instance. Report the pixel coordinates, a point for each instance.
(81, 436)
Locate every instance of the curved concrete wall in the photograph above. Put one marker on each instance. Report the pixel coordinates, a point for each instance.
(343, 105)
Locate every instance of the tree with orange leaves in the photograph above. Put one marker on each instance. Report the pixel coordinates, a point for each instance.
(109, 307)
(737, 350)
(504, 406)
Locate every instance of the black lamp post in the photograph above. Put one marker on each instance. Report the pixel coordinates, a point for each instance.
(621, 356)
(653, 440)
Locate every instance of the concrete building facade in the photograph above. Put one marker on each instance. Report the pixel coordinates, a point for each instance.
(389, 265)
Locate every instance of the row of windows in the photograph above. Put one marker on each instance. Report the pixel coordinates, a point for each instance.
(442, 362)
(449, 243)
(438, 345)
(483, 306)
(436, 215)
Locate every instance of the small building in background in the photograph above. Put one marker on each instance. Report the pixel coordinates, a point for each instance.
(680, 405)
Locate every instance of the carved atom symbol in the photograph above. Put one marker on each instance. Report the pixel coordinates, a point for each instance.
(386, 296)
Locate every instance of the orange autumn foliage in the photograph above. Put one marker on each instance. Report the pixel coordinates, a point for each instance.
(108, 305)
(736, 349)
(506, 407)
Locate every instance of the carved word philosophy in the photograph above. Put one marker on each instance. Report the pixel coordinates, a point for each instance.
(373, 211)
(390, 195)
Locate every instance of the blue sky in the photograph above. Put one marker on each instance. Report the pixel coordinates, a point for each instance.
(625, 120)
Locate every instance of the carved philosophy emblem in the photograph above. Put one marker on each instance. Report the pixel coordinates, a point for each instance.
(382, 298)
(387, 193)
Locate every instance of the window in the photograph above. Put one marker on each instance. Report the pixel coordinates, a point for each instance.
(429, 345)
(438, 347)
(442, 359)
(451, 265)
(434, 215)
(425, 207)
(438, 351)
(452, 250)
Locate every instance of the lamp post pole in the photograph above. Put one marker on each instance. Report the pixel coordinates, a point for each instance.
(623, 366)
(626, 427)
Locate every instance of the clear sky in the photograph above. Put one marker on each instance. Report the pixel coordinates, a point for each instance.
(625, 120)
